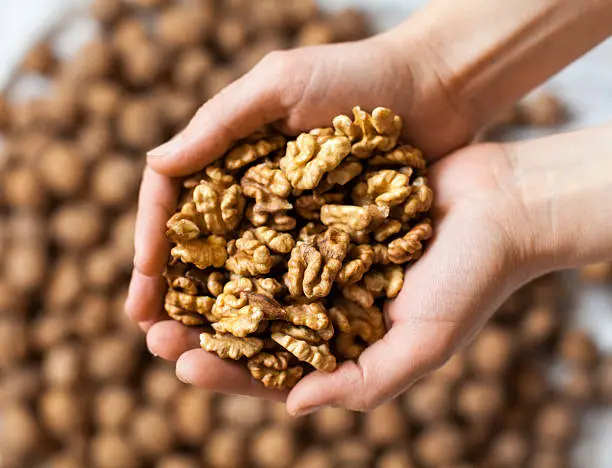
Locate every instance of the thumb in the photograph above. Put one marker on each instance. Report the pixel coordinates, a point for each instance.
(262, 96)
(383, 371)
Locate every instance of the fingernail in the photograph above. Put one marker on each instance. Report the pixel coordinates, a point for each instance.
(306, 411)
(167, 148)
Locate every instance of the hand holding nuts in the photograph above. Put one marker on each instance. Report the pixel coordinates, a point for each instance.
(269, 259)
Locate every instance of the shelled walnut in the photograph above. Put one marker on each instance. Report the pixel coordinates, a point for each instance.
(240, 217)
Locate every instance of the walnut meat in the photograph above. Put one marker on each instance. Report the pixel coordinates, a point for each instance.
(310, 157)
(314, 265)
(379, 131)
(304, 238)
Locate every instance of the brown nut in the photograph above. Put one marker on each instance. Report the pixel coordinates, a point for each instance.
(509, 449)
(331, 423)
(318, 356)
(95, 140)
(237, 315)
(112, 358)
(354, 219)
(368, 133)
(352, 321)
(273, 370)
(63, 412)
(409, 247)
(192, 68)
(225, 449)
(385, 425)
(160, 385)
(579, 350)
(402, 156)
(429, 400)
(113, 407)
(252, 254)
(107, 11)
(22, 188)
(491, 352)
(25, 434)
(242, 412)
(143, 63)
(252, 149)
(229, 346)
(184, 25)
(62, 366)
(429, 443)
(77, 226)
(28, 265)
(268, 186)
(140, 124)
(115, 181)
(150, 434)
(310, 157)
(192, 415)
(556, 425)
(110, 450)
(314, 265)
(480, 401)
(189, 309)
(61, 170)
(273, 447)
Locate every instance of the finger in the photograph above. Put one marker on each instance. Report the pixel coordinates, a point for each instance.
(169, 339)
(260, 97)
(203, 369)
(383, 371)
(157, 200)
(156, 204)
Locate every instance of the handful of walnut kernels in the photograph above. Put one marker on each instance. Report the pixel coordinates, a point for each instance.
(285, 251)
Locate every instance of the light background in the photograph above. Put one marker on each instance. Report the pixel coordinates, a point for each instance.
(586, 86)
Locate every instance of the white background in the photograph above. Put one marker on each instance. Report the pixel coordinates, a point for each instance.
(586, 86)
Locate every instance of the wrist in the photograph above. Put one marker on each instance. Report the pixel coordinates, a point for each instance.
(559, 197)
(480, 66)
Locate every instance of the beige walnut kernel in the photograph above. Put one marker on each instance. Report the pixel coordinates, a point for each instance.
(268, 186)
(410, 246)
(236, 315)
(229, 346)
(247, 152)
(314, 265)
(274, 371)
(311, 156)
(379, 131)
(203, 253)
(189, 309)
(249, 256)
(318, 356)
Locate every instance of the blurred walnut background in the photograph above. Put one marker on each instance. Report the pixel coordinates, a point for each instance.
(77, 386)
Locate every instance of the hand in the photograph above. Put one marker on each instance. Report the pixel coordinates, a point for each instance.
(471, 265)
(295, 90)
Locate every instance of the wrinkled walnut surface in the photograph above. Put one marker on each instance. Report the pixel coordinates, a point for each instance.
(285, 250)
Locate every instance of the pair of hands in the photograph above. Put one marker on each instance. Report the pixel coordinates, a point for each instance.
(487, 239)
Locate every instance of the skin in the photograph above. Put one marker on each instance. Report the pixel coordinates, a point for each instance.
(504, 213)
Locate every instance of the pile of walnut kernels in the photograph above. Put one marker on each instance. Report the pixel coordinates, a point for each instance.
(288, 249)
(77, 385)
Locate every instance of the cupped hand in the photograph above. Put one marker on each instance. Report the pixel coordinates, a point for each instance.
(303, 89)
